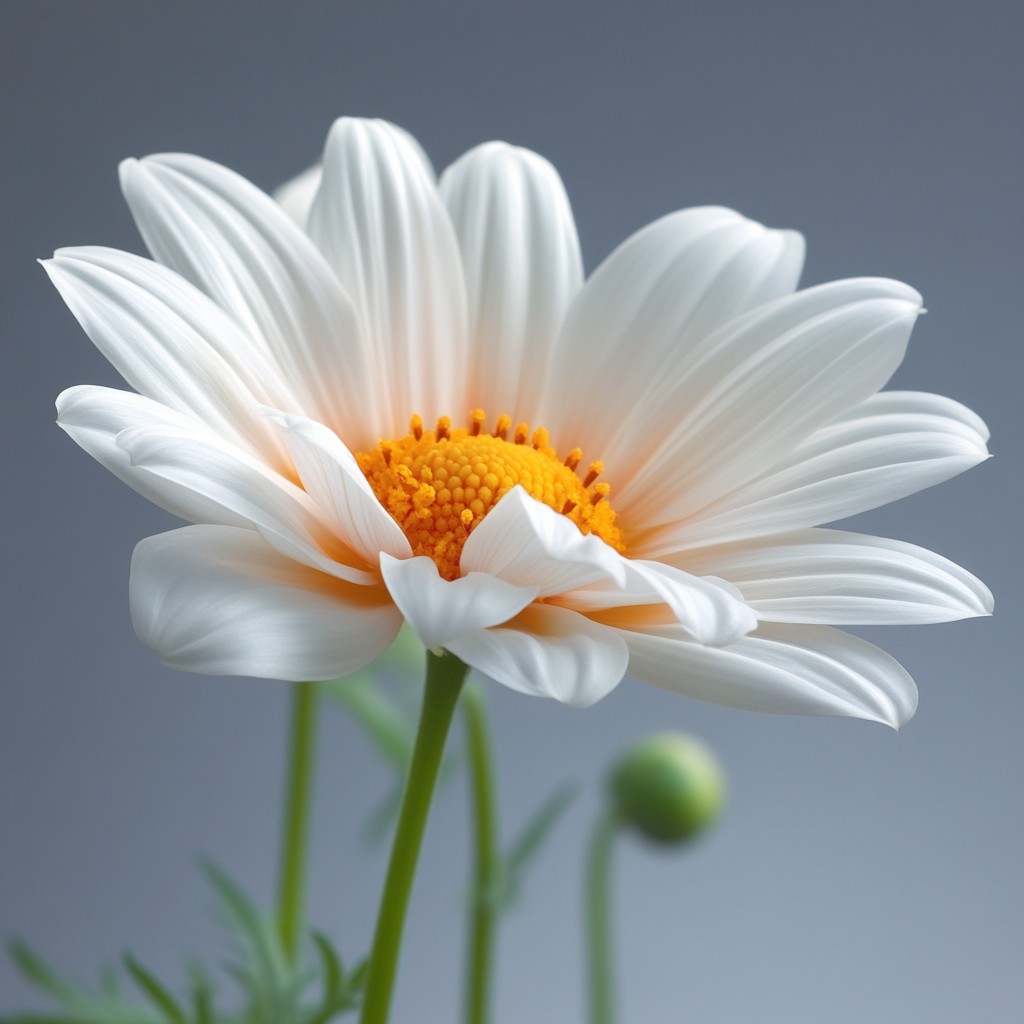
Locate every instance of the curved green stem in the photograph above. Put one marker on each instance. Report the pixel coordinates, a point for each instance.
(445, 676)
(295, 837)
(599, 935)
(487, 865)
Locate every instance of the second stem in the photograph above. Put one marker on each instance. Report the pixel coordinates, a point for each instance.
(599, 932)
(295, 833)
(483, 908)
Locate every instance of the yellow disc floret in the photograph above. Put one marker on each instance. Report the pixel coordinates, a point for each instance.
(438, 485)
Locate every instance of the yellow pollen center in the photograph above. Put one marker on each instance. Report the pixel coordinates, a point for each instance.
(438, 485)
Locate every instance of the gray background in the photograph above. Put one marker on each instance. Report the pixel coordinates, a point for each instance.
(860, 875)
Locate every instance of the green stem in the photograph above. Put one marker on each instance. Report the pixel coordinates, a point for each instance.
(295, 839)
(483, 910)
(599, 936)
(445, 676)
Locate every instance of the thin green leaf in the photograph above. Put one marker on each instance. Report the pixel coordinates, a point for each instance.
(405, 659)
(202, 1006)
(388, 729)
(344, 1002)
(323, 1013)
(529, 842)
(342, 992)
(92, 1011)
(245, 981)
(259, 937)
(110, 985)
(155, 990)
(273, 989)
(35, 1018)
(34, 970)
(382, 818)
(358, 975)
(539, 827)
(406, 655)
(202, 997)
(333, 973)
(388, 722)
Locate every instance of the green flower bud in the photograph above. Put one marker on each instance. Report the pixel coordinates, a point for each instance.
(669, 788)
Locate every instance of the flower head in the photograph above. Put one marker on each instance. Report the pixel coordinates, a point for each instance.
(386, 396)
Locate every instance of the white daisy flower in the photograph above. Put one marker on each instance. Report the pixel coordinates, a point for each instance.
(400, 400)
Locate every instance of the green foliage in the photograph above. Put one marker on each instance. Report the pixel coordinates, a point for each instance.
(263, 985)
(76, 1004)
(390, 724)
(527, 845)
(523, 850)
(389, 727)
(269, 989)
(161, 999)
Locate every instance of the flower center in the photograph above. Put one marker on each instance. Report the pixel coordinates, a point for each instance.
(438, 485)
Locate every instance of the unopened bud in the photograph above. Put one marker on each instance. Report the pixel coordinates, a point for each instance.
(669, 788)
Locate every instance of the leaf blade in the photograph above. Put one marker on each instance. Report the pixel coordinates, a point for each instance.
(154, 990)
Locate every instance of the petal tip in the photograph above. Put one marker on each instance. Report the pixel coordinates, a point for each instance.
(127, 169)
(65, 398)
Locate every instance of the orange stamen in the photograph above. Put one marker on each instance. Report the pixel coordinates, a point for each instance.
(438, 486)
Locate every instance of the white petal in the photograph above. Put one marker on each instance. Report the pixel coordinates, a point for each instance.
(441, 611)
(710, 610)
(522, 262)
(283, 513)
(762, 385)
(94, 416)
(171, 343)
(380, 221)
(331, 476)
(525, 542)
(803, 670)
(842, 578)
(218, 600)
(296, 195)
(635, 328)
(890, 445)
(234, 243)
(549, 652)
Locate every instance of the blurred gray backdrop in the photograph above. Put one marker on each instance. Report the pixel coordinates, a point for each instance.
(859, 875)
